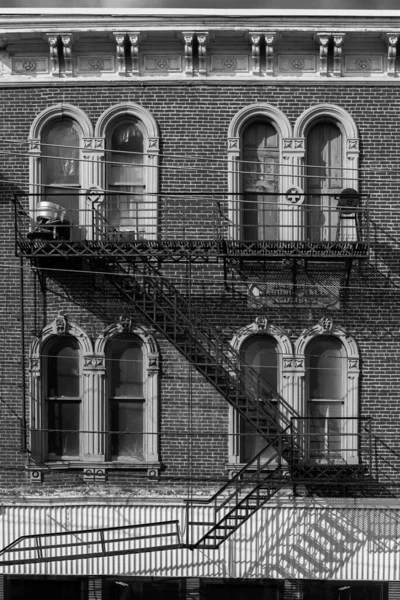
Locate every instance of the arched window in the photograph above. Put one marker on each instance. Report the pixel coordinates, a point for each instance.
(61, 167)
(326, 396)
(260, 354)
(124, 209)
(62, 367)
(331, 147)
(256, 138)
(324, 158)
(260, 181)
(125, 378)
(131, 138)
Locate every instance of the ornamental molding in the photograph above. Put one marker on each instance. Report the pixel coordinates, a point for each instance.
(59, 111)
(326, 326)
(124, 109)
(268, 111)
(261, 326)
(94, 363)
(318, 111)
(126, 324)
(60, 326)
(293, 364)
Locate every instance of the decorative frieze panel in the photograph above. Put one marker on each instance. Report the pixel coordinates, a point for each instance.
(363, 64)
(28, 65)
(95, 65)
(162, 63)
(297, 64)
(229, 64)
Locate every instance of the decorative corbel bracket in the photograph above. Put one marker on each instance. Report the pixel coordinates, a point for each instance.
(202, 51)
(392, 39)
(338, 39)
(53, 40)
(323, 40)
(255, 39)
(120, 49)
(269, 37)
(66, 41)
(134, 39)
(188, 37)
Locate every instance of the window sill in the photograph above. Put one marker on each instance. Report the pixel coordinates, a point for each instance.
(95, 471)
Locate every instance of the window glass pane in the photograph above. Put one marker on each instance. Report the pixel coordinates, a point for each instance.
(127, 420)
(61, 166)
(260, 174)
(63, 369)
(125, 367)
(126, 174)
(61, 154)
(261, 353)
(325, 430)
(325, 369)
(324, 176)
(63, 417)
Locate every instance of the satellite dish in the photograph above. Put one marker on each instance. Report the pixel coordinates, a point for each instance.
(348, 200)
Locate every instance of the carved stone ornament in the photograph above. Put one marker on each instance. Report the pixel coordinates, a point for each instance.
(229, 63)
(36, 476)
(60, 324)
(125, 323)
(261, 323)
(297, 64)
(363, 63)
(326, 325)
(92, 475)
(96, 64)
(94, 362)
(29, 65)
(293, 363)
(163, 64)
(353, 364)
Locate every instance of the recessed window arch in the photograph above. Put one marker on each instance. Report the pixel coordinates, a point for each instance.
(258, 354)
(326, 397)
(126, 401)
(260, 182)
(255, 146)
(130, 393)
(125, 178)
(331, 159)
(264, 348)
(130, 176)
(61, 363)
(58, 392)
(328, 415)
(57, 172)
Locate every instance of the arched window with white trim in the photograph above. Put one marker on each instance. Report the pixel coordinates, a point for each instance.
(329, 413)
(126, 401)
(260, 181)
(265, 349)
(326, 398)
(255, 177)
(260, 354)
(58, 175)
(330, 138)
(130, 176)
(61, 363)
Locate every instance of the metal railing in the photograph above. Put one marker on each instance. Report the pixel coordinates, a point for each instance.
(317, 224)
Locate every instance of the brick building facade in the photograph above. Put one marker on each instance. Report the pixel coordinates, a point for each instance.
(200, 316)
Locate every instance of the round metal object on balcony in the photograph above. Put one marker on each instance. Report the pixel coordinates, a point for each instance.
(348, 200)
(49, 211)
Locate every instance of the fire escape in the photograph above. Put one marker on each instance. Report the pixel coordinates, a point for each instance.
(133, 263)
